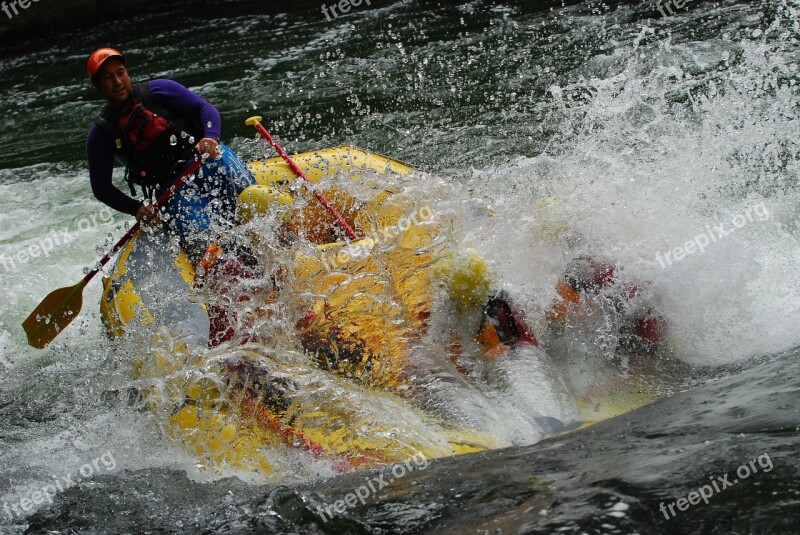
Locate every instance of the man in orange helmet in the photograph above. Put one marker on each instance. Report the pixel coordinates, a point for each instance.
(156, 129)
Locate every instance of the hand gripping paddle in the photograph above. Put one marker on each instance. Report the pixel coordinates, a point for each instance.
(61, 306)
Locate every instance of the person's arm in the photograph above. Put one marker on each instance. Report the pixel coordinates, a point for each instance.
(176, 97)
(100, 154)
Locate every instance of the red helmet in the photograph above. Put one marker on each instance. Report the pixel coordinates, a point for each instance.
(99, 57)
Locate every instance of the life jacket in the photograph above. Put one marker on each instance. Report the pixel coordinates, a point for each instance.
(150, 140)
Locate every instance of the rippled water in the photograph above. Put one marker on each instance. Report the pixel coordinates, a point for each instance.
(650, 131)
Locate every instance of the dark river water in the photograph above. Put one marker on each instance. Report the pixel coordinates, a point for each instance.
(645, 130)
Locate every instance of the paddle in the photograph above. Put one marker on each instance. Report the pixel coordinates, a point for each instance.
(61, 306)
(256, 121)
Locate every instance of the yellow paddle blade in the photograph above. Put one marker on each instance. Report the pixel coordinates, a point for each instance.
(53, 314)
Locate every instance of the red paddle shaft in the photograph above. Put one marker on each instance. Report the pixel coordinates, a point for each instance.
(128, 235)
(256, 121)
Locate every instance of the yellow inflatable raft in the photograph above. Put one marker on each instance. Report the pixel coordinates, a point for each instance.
(321, 355)
(340, 394)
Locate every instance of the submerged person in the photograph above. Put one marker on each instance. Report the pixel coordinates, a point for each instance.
(156, 129)
(642, 328)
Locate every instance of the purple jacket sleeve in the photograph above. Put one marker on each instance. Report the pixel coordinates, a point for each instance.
(176, 97)
(100, 153)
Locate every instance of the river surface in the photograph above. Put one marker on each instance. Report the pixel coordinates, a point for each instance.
(667, 144)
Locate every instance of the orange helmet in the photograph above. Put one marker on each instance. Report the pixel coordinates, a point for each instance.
(100, 56)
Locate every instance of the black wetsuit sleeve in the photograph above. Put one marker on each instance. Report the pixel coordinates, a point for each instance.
(100, 154)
